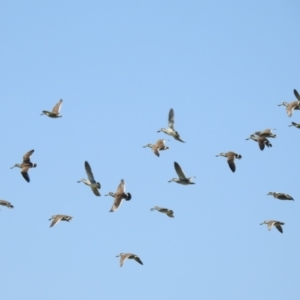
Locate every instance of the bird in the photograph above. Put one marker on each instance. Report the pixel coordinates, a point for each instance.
(6, 203)
(262, 141)
(272, 223)
(124, 256)
(90, 181)
(158, 146)
(166, 211)
(119, 195)
(266, 133)
(281, 196)
(170, 130)
(26, 165)
(295, 124)
(230, 159)
(290, 107)
(57, 218)
(182, 178)
(55, 111)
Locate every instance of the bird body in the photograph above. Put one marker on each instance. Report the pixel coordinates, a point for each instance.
(119, 195)
(124, 256)
(95, 186)
(281, 196)
(230, 159)
(272, 223)
(26, 165)
(158, 146)
(58, 218)
(261, 140)
(6, 203)
(166, 211)
(182, 178)
(171, 130)
(55, 111)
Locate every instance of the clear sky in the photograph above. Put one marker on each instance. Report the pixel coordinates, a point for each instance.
(119, 66)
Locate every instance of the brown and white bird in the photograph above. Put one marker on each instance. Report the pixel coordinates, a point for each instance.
(25, 165)
(272, 223)
(91, 182)
(55, 111)
(158, 146)
(119, 195)
(6, 203)
(290, 107)
(266, 133)
(261, 140)
(124, 256)
(166, 211)
(281, 196)
(58, 218)
(230, 159)
(182, 178)
(171, 130)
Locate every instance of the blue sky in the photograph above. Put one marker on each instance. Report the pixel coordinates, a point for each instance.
(119, 67)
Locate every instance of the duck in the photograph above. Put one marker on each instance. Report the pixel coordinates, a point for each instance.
(295, 124)
(158, 146)
(182, 178)
(95, 186)
(166, 211)
(26, 165)
(272, 223)
(124, 256)
(55, 111)
(261, 140)
(58, 218)
(6, 203)
(230, 159)
(281, 196)
(290, 107)
(119, 195)
(170, 130)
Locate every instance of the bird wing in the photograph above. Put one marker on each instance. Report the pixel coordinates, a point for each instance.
(231, 164)
(89, 172)
(95, 191)
(297, 95)
(179, 171)
(24, 173)
(117, 202)
(138, 259)
(55, 220)
(278, 226)
(170, 213)
(123, 258)
(171, 118)
(121, 187)
(261, 144)
(26, 157)
(56, 108)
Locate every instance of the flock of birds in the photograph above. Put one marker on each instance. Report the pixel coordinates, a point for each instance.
(261, 137)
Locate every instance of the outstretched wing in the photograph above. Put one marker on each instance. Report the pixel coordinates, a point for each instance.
(179, 171)
(56, 108)
(278, 226)
(171, 118)
(26, 157)
(297, 95)
(89, 172)
(24, 173)
(55, 221)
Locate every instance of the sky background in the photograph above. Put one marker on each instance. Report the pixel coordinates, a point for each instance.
(119, 67)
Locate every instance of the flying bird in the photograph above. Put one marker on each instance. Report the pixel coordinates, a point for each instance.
(26, 165)
(55, 111)
(182, 178)
(124, 256)
(166, 211)
(58, 218)
(230, 159)
(119, 195)
(158, 146)
(272, 223)
(95, 186)
(170, 130)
